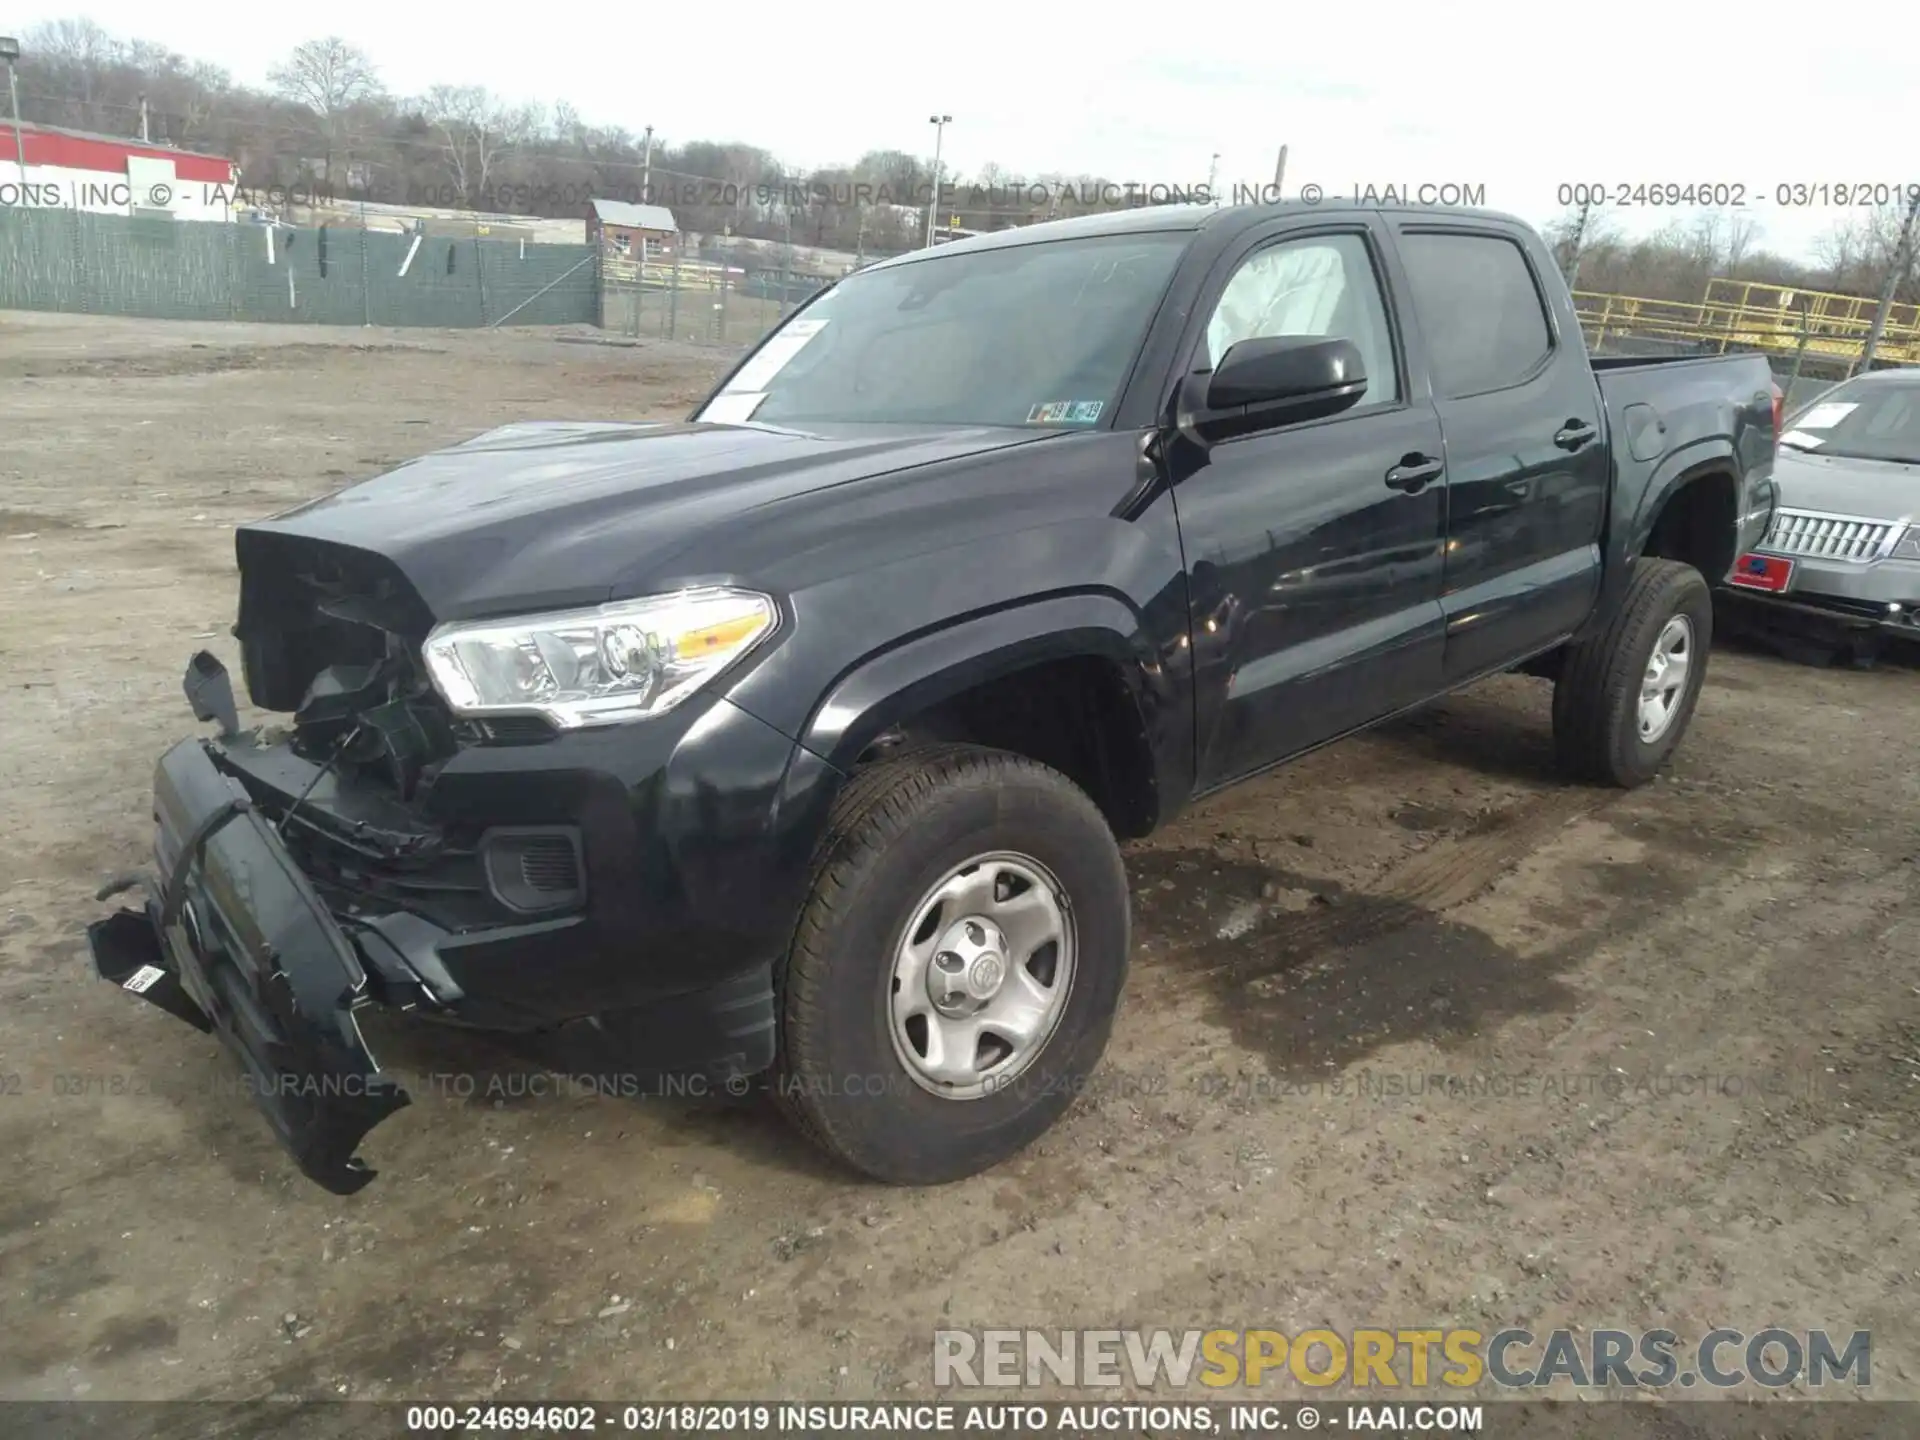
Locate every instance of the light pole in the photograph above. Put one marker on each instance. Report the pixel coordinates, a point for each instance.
(1902, 259)
(10, 52)
(939, 123)
(1579, 243)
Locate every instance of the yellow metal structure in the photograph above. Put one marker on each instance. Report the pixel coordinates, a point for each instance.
(1747, 315)
(663, 274)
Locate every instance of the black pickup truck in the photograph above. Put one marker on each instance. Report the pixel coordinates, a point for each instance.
(797, 739)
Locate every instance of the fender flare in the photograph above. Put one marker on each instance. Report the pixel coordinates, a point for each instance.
(906, 678)
(1707, 456)
(1713, 455)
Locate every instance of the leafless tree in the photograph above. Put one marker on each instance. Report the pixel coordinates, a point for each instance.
(476, 131)
(1568, 236)
(84, 57)
(1743, 232)
(1857, 254)
(75, 73)
(1839, 253)
(329, 78)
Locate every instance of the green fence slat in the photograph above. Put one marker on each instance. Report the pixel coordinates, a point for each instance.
(190, 270)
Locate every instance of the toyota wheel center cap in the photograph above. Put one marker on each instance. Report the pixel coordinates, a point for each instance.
(985, 974)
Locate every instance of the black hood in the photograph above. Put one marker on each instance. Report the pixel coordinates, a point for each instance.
(553, 514)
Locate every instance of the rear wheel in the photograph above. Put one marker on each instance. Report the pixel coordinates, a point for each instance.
(957, 966)
(1625, 697)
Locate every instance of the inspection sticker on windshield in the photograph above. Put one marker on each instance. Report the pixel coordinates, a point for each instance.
(1802, 440)
(1066, 412)
(1826, 416)
(775, 355)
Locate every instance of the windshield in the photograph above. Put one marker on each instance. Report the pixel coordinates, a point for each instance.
(1861, 420)
(1040, 334)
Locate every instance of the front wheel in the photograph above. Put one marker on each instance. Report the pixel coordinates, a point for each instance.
(956, 969)
(1626, 695)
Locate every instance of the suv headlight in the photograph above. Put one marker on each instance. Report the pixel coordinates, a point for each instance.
(623, 661)
(1907, 547)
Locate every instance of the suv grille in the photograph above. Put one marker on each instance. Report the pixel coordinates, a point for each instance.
(1830, 537)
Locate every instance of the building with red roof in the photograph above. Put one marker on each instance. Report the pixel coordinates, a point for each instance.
(111, 175)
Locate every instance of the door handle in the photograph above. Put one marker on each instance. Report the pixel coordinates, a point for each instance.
(1414, 472)
(1574, 434)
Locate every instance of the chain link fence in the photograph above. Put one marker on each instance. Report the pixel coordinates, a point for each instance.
(182, 270)
(698, 301)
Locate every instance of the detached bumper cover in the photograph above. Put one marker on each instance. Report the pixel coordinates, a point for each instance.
(237, 942)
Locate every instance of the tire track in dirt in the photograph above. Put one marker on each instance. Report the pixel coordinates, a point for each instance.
(1439, 878)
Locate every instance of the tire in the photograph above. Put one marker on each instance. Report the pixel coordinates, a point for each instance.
(1597, 727)
(899, 829)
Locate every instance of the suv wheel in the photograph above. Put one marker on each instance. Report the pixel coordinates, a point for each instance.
(1625, 696)
(957, 966)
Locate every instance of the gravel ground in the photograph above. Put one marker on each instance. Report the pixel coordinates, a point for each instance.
(1415, 1034)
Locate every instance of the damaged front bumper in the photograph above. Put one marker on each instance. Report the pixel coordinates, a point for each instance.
(608, 903)
(234, 939)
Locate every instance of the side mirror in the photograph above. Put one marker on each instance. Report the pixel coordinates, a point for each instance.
(1287, 378)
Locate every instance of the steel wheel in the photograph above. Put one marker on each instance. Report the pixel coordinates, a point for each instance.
(981, 975)
(1665, 683)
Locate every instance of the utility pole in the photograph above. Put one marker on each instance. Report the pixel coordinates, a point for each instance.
(1579, 240)
(646, 170)
(1902, 260)
(1805, 307)
(939, 123)
(786, 242)
(1279, 172)
(1213, 169)
(146, 134)
(10, 52)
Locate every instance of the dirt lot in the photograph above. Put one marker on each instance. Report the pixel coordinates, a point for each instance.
(1269, 1144)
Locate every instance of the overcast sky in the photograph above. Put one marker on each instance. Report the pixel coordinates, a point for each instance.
(1517, 98)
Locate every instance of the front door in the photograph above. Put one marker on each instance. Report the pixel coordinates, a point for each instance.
(1313, 549)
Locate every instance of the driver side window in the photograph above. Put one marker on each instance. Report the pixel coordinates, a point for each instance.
(1323, 286)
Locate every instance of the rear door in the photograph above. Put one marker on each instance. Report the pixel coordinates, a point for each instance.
(1520, 410)
(1313, 549)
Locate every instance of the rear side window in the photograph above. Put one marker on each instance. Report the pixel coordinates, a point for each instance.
(1479, 310)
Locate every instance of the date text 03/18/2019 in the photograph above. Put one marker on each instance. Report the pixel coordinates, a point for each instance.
(917, 1418)
(1736, 194)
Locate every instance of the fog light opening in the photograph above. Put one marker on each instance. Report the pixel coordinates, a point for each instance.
(535, 870)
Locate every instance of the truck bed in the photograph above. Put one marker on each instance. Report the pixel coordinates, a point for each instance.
(1669, 414)
(1613, 364)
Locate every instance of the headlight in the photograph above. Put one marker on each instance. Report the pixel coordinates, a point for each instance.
(615, 662)
(1908, 545)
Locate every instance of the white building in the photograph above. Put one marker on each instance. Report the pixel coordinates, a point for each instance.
(110, 175)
